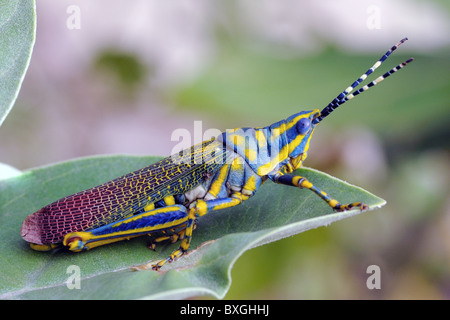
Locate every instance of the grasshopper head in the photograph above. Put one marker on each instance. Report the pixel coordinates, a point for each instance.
(300, 128)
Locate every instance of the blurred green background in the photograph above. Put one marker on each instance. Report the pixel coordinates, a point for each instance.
(129, 74)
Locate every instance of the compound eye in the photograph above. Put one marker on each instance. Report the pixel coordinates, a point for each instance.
(303, 126)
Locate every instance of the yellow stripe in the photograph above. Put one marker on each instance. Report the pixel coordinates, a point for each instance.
(96, 241)
(249, 186)
(236, 165)
(149, 207)
(169, 200)
(261, 138)
(276, 132)
(237, 139)
(217, 184)
(275, 160)
(42, 247)
(294, 144)
(201, 208)
(232, 203)
(250, 154)
(295, 180)
(306, 184)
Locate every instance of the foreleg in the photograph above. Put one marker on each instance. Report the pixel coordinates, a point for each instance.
(302, 182)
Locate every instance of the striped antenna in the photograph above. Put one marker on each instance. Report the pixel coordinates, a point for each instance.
(347, 95)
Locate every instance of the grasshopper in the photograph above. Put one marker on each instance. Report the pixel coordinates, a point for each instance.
(167, 197)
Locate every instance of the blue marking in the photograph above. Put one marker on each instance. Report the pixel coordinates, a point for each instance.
(149, 221)
(356, 83)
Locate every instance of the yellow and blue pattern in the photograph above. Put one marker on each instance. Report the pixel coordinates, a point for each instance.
(165, 199)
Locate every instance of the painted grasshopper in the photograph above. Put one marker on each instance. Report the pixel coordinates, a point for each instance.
(168, 196)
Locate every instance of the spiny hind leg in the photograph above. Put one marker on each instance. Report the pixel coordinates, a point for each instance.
(144, 223)
(302, 182)
(199, 209)
(171, 235)
(184, 246)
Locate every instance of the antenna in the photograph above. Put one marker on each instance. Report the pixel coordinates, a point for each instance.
(347, 95)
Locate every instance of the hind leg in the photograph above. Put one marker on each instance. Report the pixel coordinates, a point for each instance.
(200, 208)
(144, 223)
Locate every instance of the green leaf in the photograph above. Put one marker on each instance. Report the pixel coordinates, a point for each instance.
(17, 35)
(275, 212)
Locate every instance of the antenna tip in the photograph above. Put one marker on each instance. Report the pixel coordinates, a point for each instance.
(407, 61)
(401, 41)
